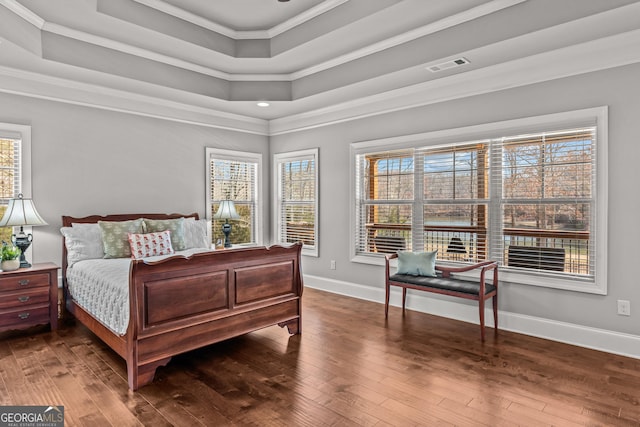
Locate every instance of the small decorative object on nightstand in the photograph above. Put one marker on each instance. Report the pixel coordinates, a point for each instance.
(29, 297)
(10, 256)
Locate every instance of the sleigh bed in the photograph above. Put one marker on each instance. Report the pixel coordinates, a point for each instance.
(176, 303)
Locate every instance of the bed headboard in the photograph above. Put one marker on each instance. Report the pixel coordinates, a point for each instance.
(68, 220)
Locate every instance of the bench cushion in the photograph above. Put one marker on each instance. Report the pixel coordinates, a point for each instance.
(449, 284)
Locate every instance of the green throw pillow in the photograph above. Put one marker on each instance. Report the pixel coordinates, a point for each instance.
(115, 237)
(176, 226)
(417, 263)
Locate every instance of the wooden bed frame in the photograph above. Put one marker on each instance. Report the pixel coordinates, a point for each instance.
(180, 304)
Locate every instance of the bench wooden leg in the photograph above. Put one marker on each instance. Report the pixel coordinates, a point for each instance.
(386, 300)
(495, 313)
(481, 307)
(404, 298)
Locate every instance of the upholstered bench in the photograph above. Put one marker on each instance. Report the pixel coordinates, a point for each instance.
(447, 283)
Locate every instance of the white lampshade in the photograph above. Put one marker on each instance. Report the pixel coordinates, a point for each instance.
(21, 211)
(226, 210)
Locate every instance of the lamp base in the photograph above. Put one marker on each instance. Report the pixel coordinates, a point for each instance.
(226, 229)
(22, 241)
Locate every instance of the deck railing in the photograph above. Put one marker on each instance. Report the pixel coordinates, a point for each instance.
(469, 243)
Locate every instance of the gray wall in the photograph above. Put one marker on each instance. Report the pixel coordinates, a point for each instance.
(90, 161)
(616, 88)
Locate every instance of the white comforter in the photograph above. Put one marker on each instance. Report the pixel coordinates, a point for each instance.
(101, 287)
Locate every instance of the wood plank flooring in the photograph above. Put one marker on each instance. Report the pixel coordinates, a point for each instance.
(349, 367)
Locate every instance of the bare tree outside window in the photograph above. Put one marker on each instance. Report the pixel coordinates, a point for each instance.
(9, 178)
(538, 185)
(298, 180)
(234, 180)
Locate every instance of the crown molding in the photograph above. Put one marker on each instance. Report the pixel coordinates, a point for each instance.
(459, 18)
(305, 16)
(609, 52)
(600, 54)
(154, 56)
(434, 27)
(40, 86)
(299, 19)
(468, 15)
(131, 50)
(180, 13)
(23, 12)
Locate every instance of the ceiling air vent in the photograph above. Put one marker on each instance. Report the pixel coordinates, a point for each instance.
(446, 65)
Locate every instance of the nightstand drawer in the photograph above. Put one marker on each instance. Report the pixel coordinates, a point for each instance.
(23, 297)
(12, 281)
(24, 317)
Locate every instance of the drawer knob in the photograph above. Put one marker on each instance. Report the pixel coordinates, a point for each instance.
(23, 298)
(23, 282)
(23, 315)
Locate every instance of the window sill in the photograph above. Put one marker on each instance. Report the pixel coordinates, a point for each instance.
(310, 252)
(575, 284)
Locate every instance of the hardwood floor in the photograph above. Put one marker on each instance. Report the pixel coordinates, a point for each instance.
(349, 367)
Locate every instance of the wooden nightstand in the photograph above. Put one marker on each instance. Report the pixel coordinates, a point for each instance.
(29, 297)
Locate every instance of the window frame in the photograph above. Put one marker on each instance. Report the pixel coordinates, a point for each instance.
(279, 159)
(21, 133)
(240, 156)
(597, 116)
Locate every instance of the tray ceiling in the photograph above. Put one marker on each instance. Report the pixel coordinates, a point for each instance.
(305, 57)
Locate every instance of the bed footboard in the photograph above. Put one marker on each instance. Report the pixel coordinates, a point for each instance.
(180, 304)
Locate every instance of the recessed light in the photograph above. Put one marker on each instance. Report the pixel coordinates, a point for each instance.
(262, 104)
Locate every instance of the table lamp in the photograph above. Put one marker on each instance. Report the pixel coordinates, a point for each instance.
(21, 212)
(226, 211)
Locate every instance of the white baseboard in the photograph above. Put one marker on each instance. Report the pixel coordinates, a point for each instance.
(583, 336)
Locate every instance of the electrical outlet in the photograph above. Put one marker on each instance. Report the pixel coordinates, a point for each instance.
(624, 307)
(333, 264)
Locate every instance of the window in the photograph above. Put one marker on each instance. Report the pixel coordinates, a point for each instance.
(234, 175)
(522, 192)
(296, 205)
(386, 210)
(15, 142)
(547, 200)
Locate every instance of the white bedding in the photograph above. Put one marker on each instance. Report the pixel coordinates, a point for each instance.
(101, 287)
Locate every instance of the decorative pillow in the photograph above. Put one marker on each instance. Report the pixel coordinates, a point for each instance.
(417, 263)
(150, 244)
(82, 243)
(176, 226)
(115, 240)
(197, 233)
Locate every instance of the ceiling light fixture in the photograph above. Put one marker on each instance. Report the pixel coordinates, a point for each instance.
(262, 103)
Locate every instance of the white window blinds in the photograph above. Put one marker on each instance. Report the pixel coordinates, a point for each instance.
(545, 184)
(385, 201)
(234, 176)
(9, 177)
(455, 201)
(297, 195)
(533, 200)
